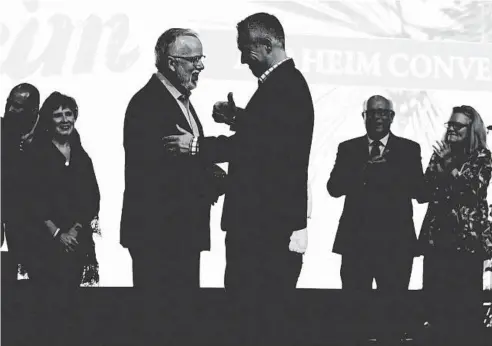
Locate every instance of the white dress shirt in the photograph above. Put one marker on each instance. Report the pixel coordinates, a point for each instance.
(382, 146)
(183, 102)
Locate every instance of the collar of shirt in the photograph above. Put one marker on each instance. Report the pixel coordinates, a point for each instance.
(383, 140)
(265, 74)
(170, 87)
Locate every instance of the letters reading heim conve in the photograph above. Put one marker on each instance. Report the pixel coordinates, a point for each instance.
(172, 179)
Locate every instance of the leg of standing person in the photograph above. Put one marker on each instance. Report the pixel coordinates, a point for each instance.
(453, 286)
(243, 268)
(469, 292)
(436, 287)
(183, 283)
(281, 269)
(392, 280)
(167, 287)
(357, 273)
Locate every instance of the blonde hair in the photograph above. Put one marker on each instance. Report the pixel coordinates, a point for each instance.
(477, 132)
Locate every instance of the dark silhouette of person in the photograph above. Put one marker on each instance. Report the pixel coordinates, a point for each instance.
(265, 206)
(165, 221)
(18, 128)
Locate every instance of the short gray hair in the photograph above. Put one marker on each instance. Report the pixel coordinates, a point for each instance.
(164, 43)
(377, 98)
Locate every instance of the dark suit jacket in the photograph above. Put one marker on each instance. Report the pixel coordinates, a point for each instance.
(16, 173)
(268, 156)
(167, 199)
(63, 194)
(377, 215)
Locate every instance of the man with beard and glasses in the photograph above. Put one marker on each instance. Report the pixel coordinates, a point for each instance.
(265, 206)
(18, 126)
(165, 220)
(379, 174)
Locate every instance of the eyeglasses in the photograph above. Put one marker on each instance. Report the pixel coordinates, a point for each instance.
(456, 126)
(195, 60)
(381, 113)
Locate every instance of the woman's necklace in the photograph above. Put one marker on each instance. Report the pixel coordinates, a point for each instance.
(65, 150)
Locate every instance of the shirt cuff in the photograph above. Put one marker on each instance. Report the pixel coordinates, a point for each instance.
(194, 147)
(56, 233)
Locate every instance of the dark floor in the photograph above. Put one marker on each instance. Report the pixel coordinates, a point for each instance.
(110, 316)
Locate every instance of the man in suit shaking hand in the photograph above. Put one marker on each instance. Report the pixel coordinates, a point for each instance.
(379, 174)
(166, 209)
(165, 220)
(265, 206)
(266, 196)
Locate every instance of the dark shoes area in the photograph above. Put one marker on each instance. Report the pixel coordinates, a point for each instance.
(429, 335)
(114, 317)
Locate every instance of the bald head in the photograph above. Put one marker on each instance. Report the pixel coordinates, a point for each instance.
(22, 107)
(378, 102)
(378, 116)
(25, 96)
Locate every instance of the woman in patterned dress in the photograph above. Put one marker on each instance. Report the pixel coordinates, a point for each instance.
(456, 237)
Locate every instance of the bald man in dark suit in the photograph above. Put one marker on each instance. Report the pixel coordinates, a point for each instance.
(379, 174)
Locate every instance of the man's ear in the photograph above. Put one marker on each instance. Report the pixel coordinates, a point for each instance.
(171, 63)
(267, 41)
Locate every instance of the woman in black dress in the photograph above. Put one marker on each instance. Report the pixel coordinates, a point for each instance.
(65, 199)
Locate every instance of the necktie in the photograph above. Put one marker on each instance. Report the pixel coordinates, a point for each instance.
(185, 100)
(375, 151)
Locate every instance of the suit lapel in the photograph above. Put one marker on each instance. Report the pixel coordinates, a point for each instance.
(182, 122)
(170, 104)
(390, 145)
(252, 100)
(362, 149)
(197, 120)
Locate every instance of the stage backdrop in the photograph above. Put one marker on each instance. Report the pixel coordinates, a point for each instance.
(425, 56)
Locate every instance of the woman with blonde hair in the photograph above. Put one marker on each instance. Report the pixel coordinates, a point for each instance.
(456, 236)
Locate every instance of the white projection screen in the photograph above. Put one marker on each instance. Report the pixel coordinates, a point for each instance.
(425, 56)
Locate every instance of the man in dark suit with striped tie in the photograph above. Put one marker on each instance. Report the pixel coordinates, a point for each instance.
(379, 174)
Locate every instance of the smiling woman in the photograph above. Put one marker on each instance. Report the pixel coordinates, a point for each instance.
(456, 236)
(65, 200)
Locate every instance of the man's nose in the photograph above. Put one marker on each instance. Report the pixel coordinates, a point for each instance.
(200, 66)
(243, 58)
